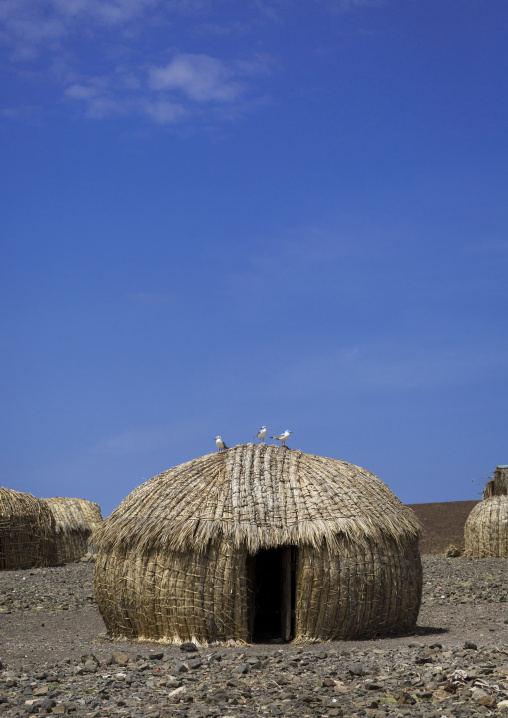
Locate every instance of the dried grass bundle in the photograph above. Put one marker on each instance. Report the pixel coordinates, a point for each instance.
(486, 529)
(498, 486)
(27, 531)
(173, 559)
(454, 551)
(75, 520)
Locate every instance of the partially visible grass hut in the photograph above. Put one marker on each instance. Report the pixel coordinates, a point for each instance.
(486, 529)
(259, 543)
(498, 486)
(75, 520)
(27, 531)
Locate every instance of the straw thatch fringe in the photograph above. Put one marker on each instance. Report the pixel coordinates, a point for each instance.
(257, 496)
(498, 486)
(75, 520)
(174, 558)
(27, 531)
(486, 529)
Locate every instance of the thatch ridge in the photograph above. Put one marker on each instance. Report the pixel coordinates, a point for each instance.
(257, 496)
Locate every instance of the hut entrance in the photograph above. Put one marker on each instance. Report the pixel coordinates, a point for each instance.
(272, 606)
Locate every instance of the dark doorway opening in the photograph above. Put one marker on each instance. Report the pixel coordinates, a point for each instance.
(272, 594)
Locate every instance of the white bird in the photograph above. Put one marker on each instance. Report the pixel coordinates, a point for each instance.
(282, 437)
(261, 434)
(221, 445)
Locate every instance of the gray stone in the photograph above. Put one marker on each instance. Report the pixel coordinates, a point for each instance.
(172, 683)
(188, 647)
(47, 704)
(253, 662)
(356, 669)
(241, 670)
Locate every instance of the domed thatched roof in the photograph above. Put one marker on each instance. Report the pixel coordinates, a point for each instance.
(74, 514)
(258, 496)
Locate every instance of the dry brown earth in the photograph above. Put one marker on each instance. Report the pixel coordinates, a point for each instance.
(443, 524)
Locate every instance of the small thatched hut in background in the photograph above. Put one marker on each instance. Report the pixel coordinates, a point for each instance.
(75, 520)
(259, 542)
(27, 531)
(498, 486)
(486, 529)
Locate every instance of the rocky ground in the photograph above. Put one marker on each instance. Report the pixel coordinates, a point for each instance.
(56, 659)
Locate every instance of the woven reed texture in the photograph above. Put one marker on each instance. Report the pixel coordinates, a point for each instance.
(486, 529)
(498, 486)
(172, 558)
(75, 520)
(27, 531)
(367, 589)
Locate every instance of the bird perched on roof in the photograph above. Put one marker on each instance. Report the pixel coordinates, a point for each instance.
(261, 434)
(282, 437)
(221, 445)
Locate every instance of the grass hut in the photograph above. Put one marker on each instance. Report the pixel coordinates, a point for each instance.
(486, 529)
(259, 543)
(75, 520)
(27, 531)
(498, 486)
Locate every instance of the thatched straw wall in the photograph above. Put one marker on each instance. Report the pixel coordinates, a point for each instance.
(498, 486)
(75, 520)
(173, 559)
(364, 590)
(486, 529)
(27, 531)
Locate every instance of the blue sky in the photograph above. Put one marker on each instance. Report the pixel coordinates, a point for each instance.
(218, 215)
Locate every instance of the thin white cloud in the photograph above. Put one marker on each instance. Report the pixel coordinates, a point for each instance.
(15, 113)
(201, 77)
(99, 99)
(28, 27)
(51, 38)
(165, 113)
(166, 95)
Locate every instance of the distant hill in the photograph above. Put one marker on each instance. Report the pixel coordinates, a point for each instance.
(443, 524)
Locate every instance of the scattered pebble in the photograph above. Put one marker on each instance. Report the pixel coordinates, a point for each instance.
(418, 676)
